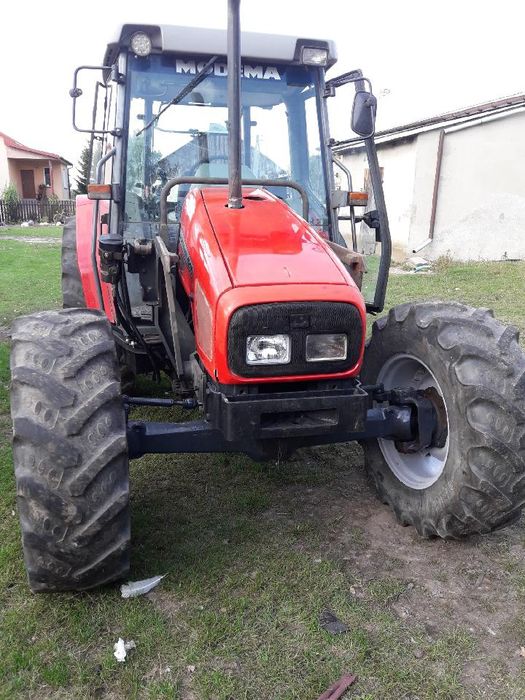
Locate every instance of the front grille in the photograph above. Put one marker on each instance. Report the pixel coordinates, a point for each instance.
(297, 319)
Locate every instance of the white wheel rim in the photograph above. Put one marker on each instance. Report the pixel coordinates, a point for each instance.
(420, 469)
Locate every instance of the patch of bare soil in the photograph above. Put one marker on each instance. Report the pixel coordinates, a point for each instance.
(5, 333)
(31, 239)
(449, 584)
(166, 604)
(171, 607)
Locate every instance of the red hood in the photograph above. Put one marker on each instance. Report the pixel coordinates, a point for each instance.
(266, 243)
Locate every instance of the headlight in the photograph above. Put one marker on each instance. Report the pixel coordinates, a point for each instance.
(326, 346)
(268, 349)
(140, 44)
(312, 56)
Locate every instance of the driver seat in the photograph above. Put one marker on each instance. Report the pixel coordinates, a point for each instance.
(214, 169)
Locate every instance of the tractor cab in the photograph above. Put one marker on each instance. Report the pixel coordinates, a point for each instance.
(163, 107)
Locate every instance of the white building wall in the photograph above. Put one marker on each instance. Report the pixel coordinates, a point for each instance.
(398, 163)
(480, 208)
(427, 145)
(480, 212)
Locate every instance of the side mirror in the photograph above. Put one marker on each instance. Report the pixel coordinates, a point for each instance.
(364, 113)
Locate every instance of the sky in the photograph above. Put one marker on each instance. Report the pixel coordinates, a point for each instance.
(423, 58)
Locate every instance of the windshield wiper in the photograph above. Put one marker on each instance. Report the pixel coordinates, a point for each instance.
(182, 94)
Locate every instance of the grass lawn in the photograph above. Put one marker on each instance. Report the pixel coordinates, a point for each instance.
(499, 286)
(32, 231)
(254, 553)
(29, 278)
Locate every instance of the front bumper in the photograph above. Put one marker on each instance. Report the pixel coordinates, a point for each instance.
(262, 425)
(290, 414)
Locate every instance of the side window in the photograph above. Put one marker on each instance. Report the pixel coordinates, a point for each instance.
(318, 215)
(366, 239)
(367, 244)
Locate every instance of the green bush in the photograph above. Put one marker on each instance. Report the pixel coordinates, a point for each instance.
(11, 200)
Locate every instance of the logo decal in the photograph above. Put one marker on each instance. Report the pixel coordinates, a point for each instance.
(259, 72)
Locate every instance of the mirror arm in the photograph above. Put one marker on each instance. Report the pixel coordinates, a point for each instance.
(350, 77)
(76, 92)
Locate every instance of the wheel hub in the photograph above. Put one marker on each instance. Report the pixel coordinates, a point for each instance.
(422, 468)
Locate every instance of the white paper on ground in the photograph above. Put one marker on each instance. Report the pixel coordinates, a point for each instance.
(121, 649)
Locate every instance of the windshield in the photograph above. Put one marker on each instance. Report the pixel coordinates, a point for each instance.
(279, 129)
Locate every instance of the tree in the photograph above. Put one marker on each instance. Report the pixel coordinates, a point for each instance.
(136, 162)
(84, 170)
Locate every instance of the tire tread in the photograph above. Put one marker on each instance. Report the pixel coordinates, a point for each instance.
(70, 451)
(494, 489)
(72, 291)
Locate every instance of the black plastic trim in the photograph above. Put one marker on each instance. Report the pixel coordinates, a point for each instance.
(279, 317)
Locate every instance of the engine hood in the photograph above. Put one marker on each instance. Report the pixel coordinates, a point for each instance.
(266, 243)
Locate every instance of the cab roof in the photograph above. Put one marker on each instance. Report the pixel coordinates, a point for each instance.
(193, 40)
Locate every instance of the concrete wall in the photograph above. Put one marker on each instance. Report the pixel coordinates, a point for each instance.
(398, 163)
(481, 197)
(480, 207)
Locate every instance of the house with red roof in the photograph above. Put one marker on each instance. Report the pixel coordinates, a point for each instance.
(34, 173)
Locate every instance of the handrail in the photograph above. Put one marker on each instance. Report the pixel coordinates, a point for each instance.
(348, 174)
(194, 180)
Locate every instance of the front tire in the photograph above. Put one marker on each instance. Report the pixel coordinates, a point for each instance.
(474, 481)
(70, 450)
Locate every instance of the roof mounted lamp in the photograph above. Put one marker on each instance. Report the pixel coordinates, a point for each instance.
(314, 56)
(140, 44)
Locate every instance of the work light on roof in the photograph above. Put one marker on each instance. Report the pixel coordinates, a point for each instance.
(313, 56)
(140, 44)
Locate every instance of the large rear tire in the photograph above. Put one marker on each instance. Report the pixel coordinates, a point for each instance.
(72, 292)
(70, 450)
(474, 480)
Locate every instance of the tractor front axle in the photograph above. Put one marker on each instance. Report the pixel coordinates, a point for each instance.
(252, 423)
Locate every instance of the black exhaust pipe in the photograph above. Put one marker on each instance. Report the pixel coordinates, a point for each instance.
(234, 105)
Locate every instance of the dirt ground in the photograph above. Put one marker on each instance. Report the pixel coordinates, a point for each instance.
(473, 584)
(31, 239)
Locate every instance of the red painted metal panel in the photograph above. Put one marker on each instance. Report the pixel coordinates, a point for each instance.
(266, 242)
(262, 253)
(201, 260)
(84, 222)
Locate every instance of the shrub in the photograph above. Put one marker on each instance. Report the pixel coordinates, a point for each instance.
(11, 200)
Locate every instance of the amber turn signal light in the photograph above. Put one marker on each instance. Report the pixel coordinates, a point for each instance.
(357, 199)
(99, 191)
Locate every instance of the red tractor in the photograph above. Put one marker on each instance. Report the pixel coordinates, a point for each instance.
(209, 249)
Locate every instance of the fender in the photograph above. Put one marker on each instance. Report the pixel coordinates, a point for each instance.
(85, 211)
